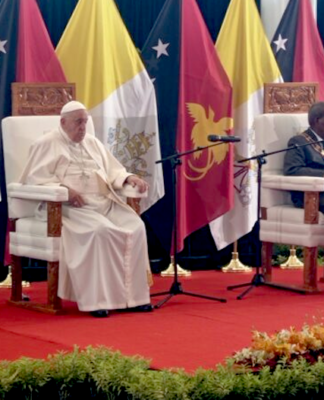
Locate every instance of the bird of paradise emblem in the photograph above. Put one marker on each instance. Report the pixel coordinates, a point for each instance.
(204, 126)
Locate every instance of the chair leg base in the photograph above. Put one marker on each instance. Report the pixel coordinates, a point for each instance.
(294, 288)
(309, 274)
(29, 305)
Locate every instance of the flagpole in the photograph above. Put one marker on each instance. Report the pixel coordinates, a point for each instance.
(170, 270)
(235, 264)
(293, 262)
(7, 283)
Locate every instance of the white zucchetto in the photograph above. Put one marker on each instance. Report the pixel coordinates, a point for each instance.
(72, 106)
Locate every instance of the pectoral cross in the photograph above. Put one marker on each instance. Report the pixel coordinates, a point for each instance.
(84, 179)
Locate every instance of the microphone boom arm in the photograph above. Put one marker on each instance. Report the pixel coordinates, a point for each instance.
(176, 155)
(293, 147)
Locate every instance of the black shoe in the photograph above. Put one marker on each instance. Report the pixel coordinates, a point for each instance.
(100, 313)
(143, 308)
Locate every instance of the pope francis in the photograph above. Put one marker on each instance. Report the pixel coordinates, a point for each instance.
(103, 256)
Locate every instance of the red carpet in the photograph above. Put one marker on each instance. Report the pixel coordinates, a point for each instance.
(186, 332)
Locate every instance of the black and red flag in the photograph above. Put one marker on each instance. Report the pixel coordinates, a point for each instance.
(297, 45)
(194, 99)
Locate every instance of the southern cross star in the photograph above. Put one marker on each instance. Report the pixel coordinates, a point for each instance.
(2, 46)
(280, 43)
(161, 48)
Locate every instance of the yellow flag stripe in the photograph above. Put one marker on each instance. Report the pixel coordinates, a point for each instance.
(244, 50)
(96, 51)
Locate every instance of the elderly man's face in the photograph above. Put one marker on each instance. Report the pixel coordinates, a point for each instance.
(74, 124)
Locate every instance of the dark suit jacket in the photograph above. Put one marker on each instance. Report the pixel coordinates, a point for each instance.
(304, 161)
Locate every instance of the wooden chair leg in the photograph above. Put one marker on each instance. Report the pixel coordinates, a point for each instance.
(53, 300)
(16, 277)
(54, 228)
(321, 279)
(267, 261)
(54, 304)
(310, 269)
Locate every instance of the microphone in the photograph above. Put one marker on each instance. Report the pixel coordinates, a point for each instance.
(218, 138)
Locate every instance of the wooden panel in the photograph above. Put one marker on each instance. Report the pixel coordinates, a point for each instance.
(16, 271)
(267, 261)
(310, 269)
(289, 97)
(54, 219)
(53, 301)
(40, 98)
(311, 207)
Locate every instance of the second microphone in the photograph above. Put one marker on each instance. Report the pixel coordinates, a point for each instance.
(219, 138)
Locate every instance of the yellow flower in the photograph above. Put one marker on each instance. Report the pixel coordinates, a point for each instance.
(285, 343)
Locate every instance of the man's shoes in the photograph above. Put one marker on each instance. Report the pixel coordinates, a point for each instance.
(100, 313)
(144, 308)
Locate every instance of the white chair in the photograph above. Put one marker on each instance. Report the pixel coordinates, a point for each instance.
(281, 222)
(30, 237)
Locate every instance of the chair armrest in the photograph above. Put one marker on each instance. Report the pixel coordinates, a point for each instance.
(299, 183)
(37, 192)
(129, 191)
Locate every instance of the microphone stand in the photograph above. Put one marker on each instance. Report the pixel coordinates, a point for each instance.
(258, 278)
(176, 287)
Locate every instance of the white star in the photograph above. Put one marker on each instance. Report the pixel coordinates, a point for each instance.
(161, 48)
(280, 43)
(2, 45)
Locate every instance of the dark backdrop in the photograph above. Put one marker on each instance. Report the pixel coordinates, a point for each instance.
(139, 15)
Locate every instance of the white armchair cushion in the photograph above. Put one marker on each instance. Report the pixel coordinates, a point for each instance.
(298, 183)
(276, 188)
(290, 215)
(19, 208)
(294, 234)
(31, 226)
(272, 132)
(18, 135)
(271, 198)
(38, 192)
(30, 240)
(23, 200)
(38, 247)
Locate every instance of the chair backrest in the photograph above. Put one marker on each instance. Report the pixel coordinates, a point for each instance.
(272, 132)
(18, 135)
(41, 98)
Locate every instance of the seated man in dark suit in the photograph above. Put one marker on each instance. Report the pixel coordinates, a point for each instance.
(307, 160)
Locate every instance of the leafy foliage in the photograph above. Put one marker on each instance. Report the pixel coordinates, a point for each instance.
(103, 374)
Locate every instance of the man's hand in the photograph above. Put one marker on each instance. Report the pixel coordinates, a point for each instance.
(75, 199)
(135, 181)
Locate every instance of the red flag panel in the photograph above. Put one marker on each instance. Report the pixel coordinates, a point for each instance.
(205, 178)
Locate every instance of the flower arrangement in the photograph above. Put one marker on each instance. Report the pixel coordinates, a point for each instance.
(286, 345)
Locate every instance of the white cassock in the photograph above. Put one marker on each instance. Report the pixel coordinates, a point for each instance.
(103, 257)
